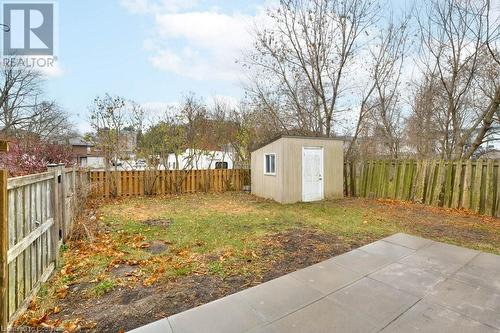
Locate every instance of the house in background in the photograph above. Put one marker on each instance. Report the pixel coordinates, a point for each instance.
(80, 149)
(126, 144)
(298, 168)
(193, 159)
(84, 153)
(487, 153)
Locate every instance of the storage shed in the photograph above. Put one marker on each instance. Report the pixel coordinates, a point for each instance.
(298, 168)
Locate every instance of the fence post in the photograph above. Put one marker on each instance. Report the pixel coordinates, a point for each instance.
(74, 198)
(62, 197)
(4, 244)
(56, 227)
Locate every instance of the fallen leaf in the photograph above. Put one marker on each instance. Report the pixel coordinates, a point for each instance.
(63, 292)
(39, 320)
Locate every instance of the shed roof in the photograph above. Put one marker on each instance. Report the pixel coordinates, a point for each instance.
(280, 136)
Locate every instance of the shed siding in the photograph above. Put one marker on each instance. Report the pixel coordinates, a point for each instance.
(333, 161)
(286, 185)
(266, 186)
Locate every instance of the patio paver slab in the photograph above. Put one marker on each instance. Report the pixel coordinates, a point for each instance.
(361, 261)
(326, 276)
(324, 316)
(414, 280)
(409, 241)
(476, 302)
(160, 326)
(279, 297)
(449, 253)
(433, 262)
(387, 249)
(483, 270)
(375, 300)
(428, 317)
(225, 315)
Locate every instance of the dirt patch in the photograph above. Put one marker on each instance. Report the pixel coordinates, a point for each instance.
(297, 248)
(156, 247)
(459, 226)
(129, 308)
(80, 287)
(238, 204)
(138, 211)
(120, 271)
(159, 222)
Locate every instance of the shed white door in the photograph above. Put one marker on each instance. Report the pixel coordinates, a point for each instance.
(312, 174)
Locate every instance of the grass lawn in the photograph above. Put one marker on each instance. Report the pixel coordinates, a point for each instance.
(152, 257)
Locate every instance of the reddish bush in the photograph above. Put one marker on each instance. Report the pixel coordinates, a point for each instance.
(28, 156)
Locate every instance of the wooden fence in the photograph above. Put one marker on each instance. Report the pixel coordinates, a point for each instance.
(139, 183)
(38, 213)
(473, 185)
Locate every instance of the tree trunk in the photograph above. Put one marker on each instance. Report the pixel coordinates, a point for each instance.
(488, 120)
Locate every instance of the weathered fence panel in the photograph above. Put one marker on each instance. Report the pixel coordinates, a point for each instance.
(39, 214)
(472, 185)
(4, 247)
(139, 183)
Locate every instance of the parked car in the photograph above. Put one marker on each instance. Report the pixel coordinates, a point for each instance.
(221, 165)
(140, 163)
(116, 162)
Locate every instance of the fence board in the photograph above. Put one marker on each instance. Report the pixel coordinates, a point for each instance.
(476, 195)
(457, 181)
(489, 190)
(4, 247)
(418, 193)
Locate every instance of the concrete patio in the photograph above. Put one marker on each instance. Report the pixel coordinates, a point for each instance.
(402, 283)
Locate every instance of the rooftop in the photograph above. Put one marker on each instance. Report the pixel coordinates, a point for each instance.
(312, 137)
(79, 141)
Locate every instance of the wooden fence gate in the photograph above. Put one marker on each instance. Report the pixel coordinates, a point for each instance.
(36, 216)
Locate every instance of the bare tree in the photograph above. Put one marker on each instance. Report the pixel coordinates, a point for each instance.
(110, 116)
(49, 122)
(423, 127)
(455, 35)
(19, 93)
(493, 30)
(23, 110)
(386, 110)
(244, 135)
(380, 112)
(363, 114)
(179, 129)
(301, 62)
(161, 139)
(485, 101)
